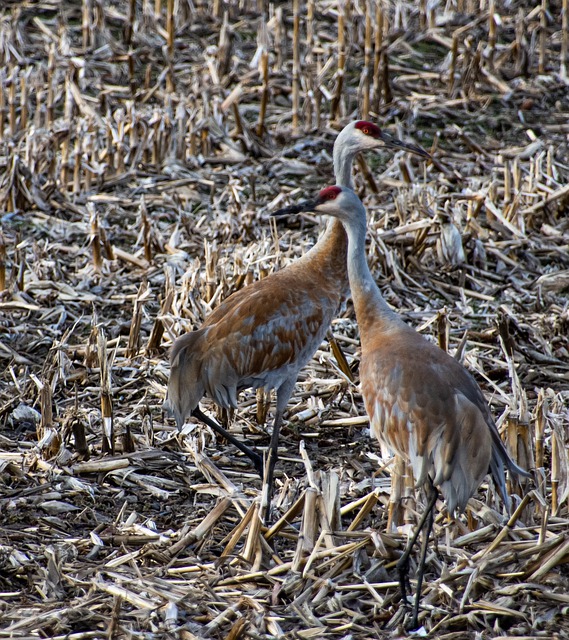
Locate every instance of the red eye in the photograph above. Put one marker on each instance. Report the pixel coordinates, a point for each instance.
(332, 196)
(366, 131)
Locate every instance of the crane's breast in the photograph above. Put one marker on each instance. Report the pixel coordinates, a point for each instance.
(417, 409)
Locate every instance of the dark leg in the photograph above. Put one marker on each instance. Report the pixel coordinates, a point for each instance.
(430, 509)
(403, 562)
(283, 396)
(268, 476)
(254, 457)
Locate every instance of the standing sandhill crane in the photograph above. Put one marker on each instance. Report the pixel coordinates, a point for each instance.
(421, 402)
(264, 334)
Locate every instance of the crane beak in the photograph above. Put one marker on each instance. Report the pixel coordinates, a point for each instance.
(307, 205)
(393, 142)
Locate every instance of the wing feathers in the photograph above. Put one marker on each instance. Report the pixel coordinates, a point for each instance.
(426, 407)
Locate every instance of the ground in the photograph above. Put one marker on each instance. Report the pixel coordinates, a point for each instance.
(142, 147)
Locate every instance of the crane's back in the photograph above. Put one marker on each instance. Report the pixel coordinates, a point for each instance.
(322, 270)
(263, 334)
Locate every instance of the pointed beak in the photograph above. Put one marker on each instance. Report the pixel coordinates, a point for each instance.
(307, 205)
(393, 142)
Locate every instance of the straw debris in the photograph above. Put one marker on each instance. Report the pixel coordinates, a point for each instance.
(142, 146)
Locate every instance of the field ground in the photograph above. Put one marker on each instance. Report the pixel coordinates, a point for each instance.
(142, 146)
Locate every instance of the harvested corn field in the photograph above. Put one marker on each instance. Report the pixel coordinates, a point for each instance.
(143, 146)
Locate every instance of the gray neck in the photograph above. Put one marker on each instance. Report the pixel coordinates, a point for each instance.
(343, 161)
(365, 293)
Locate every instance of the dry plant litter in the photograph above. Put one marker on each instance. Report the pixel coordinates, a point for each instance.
(142, 146)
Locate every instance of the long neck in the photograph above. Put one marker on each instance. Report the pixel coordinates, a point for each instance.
(343, 160)
(371, 308)
(332, 246)
(331, 252)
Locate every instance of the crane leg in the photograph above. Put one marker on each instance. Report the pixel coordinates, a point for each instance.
(270, 462)
(403, 562)
(255, 458)
(425, 542)
(283, 396)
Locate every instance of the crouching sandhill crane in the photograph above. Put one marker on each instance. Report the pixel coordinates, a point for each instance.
(264, 334)
(422, 403)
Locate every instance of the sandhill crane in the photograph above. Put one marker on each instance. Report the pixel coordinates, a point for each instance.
(421, 402)
(264, 334)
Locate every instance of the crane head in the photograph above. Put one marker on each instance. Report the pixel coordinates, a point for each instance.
(363, 134)
(337, 201)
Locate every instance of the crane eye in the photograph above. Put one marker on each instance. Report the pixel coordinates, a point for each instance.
(366, 131)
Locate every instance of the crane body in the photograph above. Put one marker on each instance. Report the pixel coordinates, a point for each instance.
(264, 334)
(422, 403)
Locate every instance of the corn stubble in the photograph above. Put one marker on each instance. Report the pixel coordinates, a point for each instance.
(141, 146)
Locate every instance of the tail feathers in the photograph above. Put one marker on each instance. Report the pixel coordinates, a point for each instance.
(499, 449)
(185, 388)
(500, 461)
(499, 477)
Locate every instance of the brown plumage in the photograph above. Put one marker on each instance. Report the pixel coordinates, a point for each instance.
(422, 403)
(264, 334)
